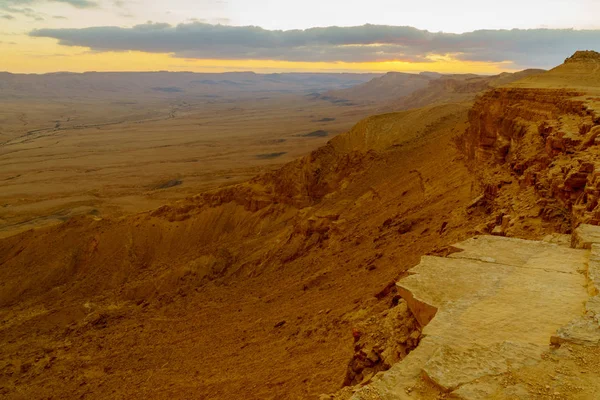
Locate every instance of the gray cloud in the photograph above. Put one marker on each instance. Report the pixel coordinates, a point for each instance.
(78, 3)
(526, 48)
(24, 6)
(12, 3)
(7, 16)
(25, 11)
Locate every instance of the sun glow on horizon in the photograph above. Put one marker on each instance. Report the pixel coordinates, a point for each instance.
(28, 56)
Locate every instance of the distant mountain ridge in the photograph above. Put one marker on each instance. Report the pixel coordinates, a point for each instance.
(392, 85)
(458, 88)
(580, 71)
(135, 84)
(404, 90)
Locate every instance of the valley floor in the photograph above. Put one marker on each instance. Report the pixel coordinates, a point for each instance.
(71, 158)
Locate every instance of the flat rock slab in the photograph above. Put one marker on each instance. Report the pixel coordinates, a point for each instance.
(585, 330)
(452, 366)
(488, 309)
(594, 270)
(522, 253)
(584, 236)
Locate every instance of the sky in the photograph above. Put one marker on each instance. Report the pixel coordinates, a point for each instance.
(477, 36)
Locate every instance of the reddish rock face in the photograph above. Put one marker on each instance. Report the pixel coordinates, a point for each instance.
(517, 124)
(547, 138)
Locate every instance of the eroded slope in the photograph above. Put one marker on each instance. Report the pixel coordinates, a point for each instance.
(254, 289)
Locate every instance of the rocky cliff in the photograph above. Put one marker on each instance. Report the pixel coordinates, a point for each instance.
(544, 136)
(534, 147)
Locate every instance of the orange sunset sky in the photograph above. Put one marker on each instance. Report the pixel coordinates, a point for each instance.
(38, 36)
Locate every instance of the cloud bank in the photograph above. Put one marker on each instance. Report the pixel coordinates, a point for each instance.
(23, 7)
(368, 43)
(13, 4)
(78, 3)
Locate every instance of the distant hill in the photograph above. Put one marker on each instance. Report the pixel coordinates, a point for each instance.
(390, 86)
(581, 70)
(160, 84)
(396, 90)
(457, 88)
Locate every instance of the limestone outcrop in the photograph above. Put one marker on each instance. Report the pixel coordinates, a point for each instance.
(492, 310)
